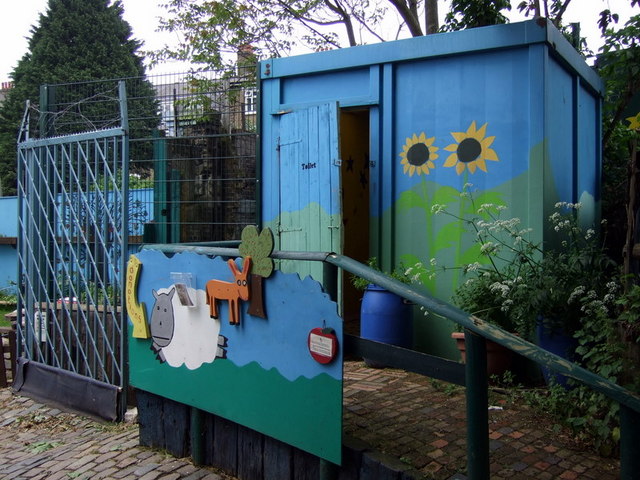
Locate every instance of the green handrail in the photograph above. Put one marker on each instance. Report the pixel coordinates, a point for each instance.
(490, 332)
(477, 331)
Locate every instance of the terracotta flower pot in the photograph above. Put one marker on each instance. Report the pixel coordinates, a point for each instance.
(498, 357)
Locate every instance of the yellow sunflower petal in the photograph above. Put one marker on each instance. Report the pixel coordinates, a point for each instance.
(451, 160)
(480, 133)
(430, 165)
(451, 148)
(414, 139)
(432, 149)
(460, 167)
(472, 166)
(480, 163)
(422, 138)
(429, 142)
(459, 136)
(490, 154)
(486, 142)
(412, 170)
(471, 131)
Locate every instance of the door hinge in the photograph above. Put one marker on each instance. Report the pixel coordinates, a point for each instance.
(280, 144)
(289, 230)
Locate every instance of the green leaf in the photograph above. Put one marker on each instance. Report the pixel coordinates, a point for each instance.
(408, 259)
(448, 235)
(410, 199)
(471, 255)
(446, 195)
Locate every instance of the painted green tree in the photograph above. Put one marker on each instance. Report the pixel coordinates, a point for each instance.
(259, 246)
(74, 41)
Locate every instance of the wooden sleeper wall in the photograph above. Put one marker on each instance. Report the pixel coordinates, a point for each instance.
(250, 455)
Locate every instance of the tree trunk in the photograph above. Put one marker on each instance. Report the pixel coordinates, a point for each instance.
(431, 16)
(256, 305)
(631, 215)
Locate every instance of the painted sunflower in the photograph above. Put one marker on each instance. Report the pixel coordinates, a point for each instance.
(471, 150)
(418, 154)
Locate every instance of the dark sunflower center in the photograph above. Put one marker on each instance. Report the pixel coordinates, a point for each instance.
(418, 154)
(469, 149)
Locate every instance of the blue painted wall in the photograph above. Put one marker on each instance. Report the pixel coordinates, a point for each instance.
(8, 253)
(9, 209)
(520, 90)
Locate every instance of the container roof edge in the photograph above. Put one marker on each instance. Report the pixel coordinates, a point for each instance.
(494, 37)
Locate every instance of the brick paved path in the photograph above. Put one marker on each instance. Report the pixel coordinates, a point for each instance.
(406, 416)
(422, 422)
(41, 443)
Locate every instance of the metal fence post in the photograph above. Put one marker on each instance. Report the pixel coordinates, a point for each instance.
(477, 407)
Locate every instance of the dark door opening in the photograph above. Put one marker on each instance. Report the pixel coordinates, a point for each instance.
(354, 152)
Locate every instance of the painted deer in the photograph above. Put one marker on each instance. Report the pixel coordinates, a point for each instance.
(233, 292)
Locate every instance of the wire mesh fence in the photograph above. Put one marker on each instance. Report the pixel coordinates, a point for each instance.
(192, 165)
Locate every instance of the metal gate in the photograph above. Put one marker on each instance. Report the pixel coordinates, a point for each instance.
(72, 244)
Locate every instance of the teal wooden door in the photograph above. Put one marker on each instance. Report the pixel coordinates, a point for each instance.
(309, 177)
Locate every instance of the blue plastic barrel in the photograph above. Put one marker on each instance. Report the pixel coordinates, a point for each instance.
(385, 317)
(559, 343)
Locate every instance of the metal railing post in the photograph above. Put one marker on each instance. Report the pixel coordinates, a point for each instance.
(330, 275)
(629, 443)
(477, 406)
(197, 436)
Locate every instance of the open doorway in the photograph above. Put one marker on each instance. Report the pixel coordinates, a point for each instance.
(354, 152)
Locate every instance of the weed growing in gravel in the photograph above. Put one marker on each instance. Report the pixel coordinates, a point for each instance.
(39, 447)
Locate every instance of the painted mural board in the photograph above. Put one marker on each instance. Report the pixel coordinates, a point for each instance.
(280, 375)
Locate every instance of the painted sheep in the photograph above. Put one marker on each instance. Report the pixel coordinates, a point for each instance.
(185, 335)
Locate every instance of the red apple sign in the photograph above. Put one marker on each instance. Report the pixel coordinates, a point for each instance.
(323, 344)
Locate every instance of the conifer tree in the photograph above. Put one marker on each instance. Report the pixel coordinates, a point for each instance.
(73, 41)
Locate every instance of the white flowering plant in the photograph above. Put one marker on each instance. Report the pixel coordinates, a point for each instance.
(574, 279)
(516, 282)
(568, 284)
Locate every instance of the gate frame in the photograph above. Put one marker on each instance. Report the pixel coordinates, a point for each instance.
(53, 383)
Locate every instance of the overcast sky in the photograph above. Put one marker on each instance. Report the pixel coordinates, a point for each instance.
(18, 17)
